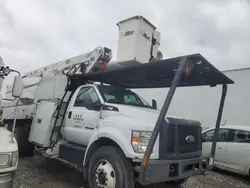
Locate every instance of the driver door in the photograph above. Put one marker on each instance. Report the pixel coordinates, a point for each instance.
(82, 116)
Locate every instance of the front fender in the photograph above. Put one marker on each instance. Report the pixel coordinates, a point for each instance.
(122, 138)
(117, 136)
(92, 139)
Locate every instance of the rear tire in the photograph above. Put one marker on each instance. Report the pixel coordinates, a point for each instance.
(109, 167)
(25, 148)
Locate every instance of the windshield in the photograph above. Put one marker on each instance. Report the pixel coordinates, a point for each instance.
(122, 96)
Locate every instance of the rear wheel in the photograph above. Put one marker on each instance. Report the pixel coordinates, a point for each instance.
(25, 148)
(109, 168)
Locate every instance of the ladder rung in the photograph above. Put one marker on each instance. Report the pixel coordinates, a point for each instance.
(57, 128)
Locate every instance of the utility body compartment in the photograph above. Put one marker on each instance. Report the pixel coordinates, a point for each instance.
(43, 122)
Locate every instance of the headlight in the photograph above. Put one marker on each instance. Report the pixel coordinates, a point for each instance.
(140, 140)
(8, 159)
(5, 159)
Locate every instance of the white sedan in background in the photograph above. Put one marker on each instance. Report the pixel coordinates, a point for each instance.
(232, 150)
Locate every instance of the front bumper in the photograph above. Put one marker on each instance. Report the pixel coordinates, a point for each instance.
(158, 171)
(6, 180)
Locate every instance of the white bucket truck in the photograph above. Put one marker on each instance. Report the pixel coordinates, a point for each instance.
(8, 143)
(83, 113)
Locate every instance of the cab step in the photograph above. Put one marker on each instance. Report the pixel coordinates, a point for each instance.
(72, 154)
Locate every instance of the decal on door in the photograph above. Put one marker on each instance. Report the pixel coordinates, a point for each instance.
(78, 118)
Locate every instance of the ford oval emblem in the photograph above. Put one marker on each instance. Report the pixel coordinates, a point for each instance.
(190, 139)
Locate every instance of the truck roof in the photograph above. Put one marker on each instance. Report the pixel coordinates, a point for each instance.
(158, 74)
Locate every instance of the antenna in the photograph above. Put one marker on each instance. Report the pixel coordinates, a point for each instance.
(224, 123)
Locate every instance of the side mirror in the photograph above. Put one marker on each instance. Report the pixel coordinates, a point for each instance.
(97, 106)
(2, 124)
(27, 98)
(154, 104)
(18, 86)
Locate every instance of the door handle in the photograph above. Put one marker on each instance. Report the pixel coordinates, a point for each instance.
(219, 147)
(69, 114)
(90, 128)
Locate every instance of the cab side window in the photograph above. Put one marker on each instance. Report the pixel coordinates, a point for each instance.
(131, 99)
(241, 136)
(87, 97)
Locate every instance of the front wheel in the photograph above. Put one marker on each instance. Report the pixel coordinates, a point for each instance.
(109, 168)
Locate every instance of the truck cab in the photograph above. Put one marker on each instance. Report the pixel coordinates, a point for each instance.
(95, 111)
(119, 114)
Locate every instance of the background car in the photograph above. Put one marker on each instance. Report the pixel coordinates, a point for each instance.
(232, 150)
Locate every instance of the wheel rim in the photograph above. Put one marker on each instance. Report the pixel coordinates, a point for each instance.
(105, 175)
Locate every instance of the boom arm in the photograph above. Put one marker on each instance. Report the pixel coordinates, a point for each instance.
(94, 61)
(82, 64)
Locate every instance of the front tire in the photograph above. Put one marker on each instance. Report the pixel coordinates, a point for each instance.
(109, 168)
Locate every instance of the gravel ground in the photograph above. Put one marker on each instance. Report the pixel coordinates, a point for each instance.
(37, 172)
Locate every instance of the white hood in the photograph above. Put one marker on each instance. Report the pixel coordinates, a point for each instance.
(5, 145)
(147, 115)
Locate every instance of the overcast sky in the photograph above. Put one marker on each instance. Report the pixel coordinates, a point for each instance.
(34, 33)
